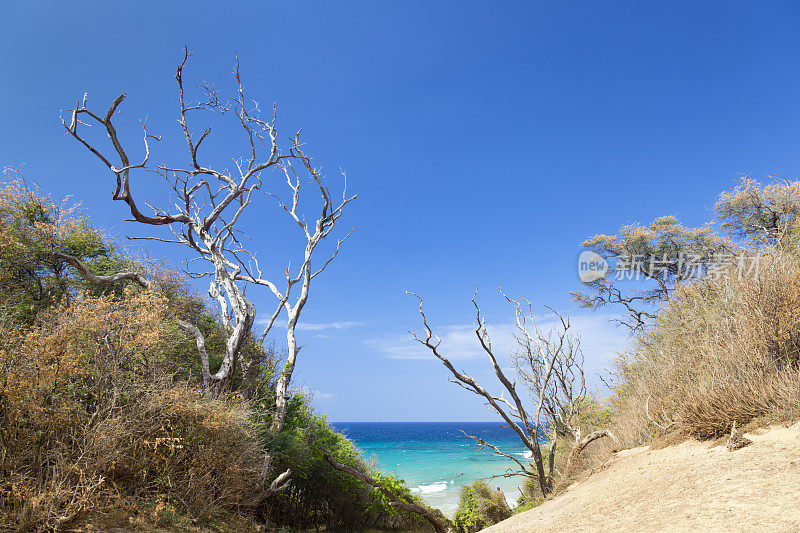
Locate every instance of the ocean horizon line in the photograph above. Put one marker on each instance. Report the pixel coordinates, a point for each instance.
(416, 422)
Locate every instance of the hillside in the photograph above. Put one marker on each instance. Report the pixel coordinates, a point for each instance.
(693, 486)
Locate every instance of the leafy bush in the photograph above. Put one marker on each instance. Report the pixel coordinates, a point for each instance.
(321, 496)
(480, 507)
(32, 229)
(101, 414)
(531, 496)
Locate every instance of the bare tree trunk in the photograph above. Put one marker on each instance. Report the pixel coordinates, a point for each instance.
(281, 387)
(204, 213)
(544, 481)
(551, 458)
(549, 365)
(438, 526)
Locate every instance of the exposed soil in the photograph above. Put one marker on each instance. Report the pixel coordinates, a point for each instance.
(693, 486)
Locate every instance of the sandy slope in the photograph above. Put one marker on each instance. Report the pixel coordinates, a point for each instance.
(688, 487)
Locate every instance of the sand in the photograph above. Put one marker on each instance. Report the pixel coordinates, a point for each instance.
(693, 486)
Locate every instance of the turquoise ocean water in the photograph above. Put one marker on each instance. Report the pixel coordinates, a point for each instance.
(435, 459)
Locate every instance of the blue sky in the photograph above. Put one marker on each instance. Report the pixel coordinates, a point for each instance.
(485, 141)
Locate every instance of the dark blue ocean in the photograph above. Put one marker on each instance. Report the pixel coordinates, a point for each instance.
(435, 459)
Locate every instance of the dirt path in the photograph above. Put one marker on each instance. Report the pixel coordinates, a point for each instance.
(688, 487)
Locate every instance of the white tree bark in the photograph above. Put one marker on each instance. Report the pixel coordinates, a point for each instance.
(205, 213)
(581, 444)
(550, 366)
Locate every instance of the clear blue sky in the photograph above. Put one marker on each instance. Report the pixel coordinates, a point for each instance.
(485, 141)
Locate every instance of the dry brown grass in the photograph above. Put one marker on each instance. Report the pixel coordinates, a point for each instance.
(721, 351)
(92, 423)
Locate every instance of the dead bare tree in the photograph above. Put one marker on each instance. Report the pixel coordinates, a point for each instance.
(550, 367)
(205, 211)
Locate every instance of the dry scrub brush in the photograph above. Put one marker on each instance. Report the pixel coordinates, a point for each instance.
(91, 421)
(722, 350)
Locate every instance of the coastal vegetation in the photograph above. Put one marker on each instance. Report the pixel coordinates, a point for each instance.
(724, 349)
(714, 330)
(480, 506)
(372, 267)
(108, 414)
(126, 399)
(105, 416)
(714, 342)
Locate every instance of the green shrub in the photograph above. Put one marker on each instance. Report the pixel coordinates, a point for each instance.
(320, 496)
(102, 418)
(480, 507)
(531, 496)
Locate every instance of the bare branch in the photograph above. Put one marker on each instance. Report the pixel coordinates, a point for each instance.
(93, 278)
(549, 365)
(201, 350)
(523, 470)
(663, 428)
(396, 501)
(209, 205)
(280, 483)
(581, 444)
(467, 380)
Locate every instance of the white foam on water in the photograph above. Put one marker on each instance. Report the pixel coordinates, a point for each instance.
(439, 486)
(526, 454)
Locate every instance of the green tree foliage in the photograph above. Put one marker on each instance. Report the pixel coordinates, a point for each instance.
(32, 229)
(480, 507)
(752, 215)
(321, 496)
(101, 409)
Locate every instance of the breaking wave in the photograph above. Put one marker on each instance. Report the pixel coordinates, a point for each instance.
(439, 486)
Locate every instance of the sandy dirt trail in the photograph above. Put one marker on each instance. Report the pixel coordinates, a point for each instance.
(693, 486)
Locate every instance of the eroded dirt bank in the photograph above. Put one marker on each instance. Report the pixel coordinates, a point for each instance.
(693, 486)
